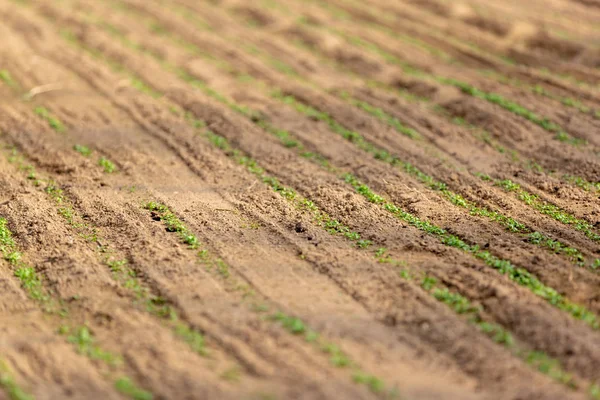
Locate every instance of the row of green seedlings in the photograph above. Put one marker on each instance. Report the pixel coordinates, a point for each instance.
(121, 270)
(85, 344)
(518, 275)
(222, 143)
(494, 98)
(458, 303)
(292, 324)
(485, 137)
(510, 224)
(81, 338)
(174, 224)
(515, 108)
(537, 89)
(40, 111)
(542, 91)
(57, 125)
(583, 183)
(537, 359)
(552, 210)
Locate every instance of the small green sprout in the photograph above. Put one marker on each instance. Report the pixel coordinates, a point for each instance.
(83, 150)
(108, 166)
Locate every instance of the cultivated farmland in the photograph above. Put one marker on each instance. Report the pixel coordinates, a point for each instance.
(300, 199)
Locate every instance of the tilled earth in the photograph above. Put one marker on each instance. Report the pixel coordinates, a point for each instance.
(300, 199)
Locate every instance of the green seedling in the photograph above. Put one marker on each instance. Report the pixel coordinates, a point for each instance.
(374, 384)
(173, 224)
(7, 78)
(194, 339)
(550, 367)
(84, 342)
(83, 150)
(337, 357)
(28, 277)
(32, 283)
(128, 388)
(107, 165)
(7, 242)
(52, 121)
(291, 324)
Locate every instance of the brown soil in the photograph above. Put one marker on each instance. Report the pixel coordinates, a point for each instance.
(140, 82)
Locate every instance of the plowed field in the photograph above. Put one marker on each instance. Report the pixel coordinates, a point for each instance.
(300, 199)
